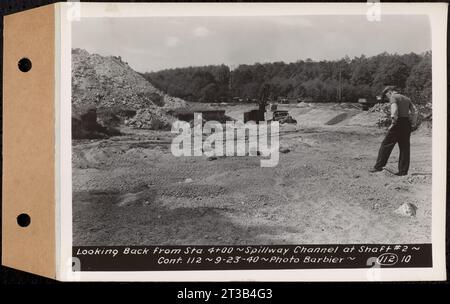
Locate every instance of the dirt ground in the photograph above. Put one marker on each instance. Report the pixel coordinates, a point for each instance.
(130, 190)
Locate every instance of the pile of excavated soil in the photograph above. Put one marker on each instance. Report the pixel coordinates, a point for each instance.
(384, 114)
(154, 119)
(380, 115)
(108, 84)
(310, 115)
(364, 119)
(173, 102)
(314, 116)
(337, 119)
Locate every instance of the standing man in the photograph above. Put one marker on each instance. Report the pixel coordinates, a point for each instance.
(263, 98)
(403, 115)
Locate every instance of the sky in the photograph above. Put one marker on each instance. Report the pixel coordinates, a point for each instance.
(156, 43)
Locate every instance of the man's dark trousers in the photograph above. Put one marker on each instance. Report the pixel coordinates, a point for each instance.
(399, 133)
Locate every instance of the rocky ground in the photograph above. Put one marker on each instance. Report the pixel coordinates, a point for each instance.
(130, 190)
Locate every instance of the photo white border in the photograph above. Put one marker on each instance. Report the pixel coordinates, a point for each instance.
(68, 12)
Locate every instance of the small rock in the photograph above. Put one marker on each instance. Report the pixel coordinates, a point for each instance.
(212, 158)
(284, 150)
(188, 180)
(128, 199)
(406, 209)
(159, 216)
(401, 188)
(356, 176)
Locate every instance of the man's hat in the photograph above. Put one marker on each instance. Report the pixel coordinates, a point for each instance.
(387, 89)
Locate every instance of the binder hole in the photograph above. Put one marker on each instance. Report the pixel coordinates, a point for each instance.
(24, 65)
(23, 220)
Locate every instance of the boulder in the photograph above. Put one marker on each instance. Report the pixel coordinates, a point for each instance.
(284, 149)
(406, 210)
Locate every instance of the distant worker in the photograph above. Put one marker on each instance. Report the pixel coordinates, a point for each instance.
(264, 96)
(404, 116)
(262, 105)
(263, 99)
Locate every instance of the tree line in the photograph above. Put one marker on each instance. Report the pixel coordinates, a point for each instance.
(344, 80)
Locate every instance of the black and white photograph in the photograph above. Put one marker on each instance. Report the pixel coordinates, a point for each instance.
(248, 131)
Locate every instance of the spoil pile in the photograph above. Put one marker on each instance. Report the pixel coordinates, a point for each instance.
(384, 111)
(154, 119)
(287, 119)
(116, 91)
(108, 81)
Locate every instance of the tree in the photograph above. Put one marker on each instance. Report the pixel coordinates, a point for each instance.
(418, 84)
(361, 73)
(392, 71)
(209, 93)
(361, 77)
(265, 91)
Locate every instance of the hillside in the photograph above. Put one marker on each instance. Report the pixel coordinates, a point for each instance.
(344, 80)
